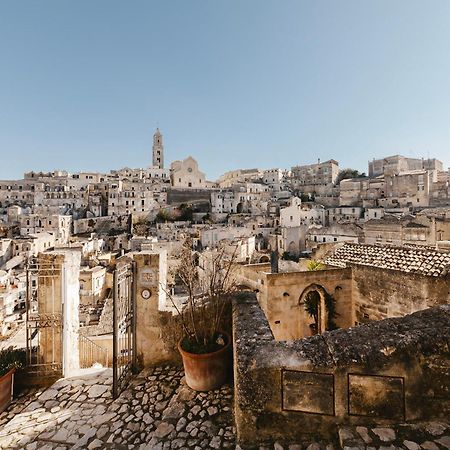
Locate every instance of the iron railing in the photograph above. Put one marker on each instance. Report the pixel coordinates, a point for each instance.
(91, 353)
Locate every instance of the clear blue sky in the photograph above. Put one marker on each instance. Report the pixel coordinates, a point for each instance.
(242, 83)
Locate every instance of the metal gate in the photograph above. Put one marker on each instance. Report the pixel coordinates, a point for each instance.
(44, 328)
(124, 324)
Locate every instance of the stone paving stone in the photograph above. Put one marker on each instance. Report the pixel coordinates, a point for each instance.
(158, 411)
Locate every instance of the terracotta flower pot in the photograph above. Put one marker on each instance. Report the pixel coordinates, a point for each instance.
(207, 371)
(6, 389)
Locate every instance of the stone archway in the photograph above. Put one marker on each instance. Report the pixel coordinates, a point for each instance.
(292, 248)
(321, 306)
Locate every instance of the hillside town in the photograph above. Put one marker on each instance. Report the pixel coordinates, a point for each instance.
(372, 249)
(401, 202)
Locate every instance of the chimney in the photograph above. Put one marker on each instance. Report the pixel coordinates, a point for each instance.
(274, 258)
(274, 261)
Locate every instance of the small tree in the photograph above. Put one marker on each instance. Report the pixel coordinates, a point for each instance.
(346, 174)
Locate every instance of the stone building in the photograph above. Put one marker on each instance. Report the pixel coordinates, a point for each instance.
(59, 225)
(353, 214)
(335, 232)
(126, 197)
(12, 300)
(92, 285)
(428, 228)
(295, 221)
(185, 174)
(228, 179)
(395, 164)
(411, 189)
(324, 173)
(363, 280)
(33, 244)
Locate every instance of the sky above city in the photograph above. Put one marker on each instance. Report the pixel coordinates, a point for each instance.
(235, 84)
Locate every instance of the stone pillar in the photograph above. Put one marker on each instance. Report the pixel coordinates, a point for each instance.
(58, 300)
(71, 320)
(151, 309)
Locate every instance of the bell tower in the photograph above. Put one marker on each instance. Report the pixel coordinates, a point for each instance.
(158, 150)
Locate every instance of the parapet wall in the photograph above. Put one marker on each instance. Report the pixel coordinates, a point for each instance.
(383, 372)
(381, 293)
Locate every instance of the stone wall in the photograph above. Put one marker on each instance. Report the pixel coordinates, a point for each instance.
(279, 296)
(101, 225)
(384, 372)
(285, 309)
(380, 293)
(183, 195)
(154, 326)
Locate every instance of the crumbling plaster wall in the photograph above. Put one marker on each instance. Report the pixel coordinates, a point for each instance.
(383, 372)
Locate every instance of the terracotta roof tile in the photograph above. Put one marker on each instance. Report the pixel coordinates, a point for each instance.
(428, 262)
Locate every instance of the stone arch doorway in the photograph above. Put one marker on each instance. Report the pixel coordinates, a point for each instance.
(264, 259)
(240, 208)
(292, 248)
(312, 299)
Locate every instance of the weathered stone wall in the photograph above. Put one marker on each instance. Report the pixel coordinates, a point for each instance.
(279, 296)
(380, 293)
(101, 225)
(384, 372)
(286, 312)
(253, 276)
(153, 325)
(180, 195)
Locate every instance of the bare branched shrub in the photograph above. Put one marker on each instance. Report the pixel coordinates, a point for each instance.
(209, 281)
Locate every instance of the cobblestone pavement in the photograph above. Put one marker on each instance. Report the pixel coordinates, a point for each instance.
(158, 411)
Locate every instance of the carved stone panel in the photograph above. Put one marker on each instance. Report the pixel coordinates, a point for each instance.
(308, 392)
(376, 396)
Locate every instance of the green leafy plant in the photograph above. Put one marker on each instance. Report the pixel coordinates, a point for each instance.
(11, 358)
(346, 174)
(315, 265)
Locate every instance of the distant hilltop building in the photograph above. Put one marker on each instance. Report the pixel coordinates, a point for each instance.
(322, 173)
(185, 174)
(158, 150)
(397, 163)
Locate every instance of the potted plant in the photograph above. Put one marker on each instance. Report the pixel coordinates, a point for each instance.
(208, 281)
(11, 359)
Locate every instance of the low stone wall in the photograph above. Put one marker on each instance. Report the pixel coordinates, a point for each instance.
(382, 293)
(383, 372)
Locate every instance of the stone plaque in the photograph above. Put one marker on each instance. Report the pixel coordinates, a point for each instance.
(376, 396)
(147, 277)
(308, 392)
